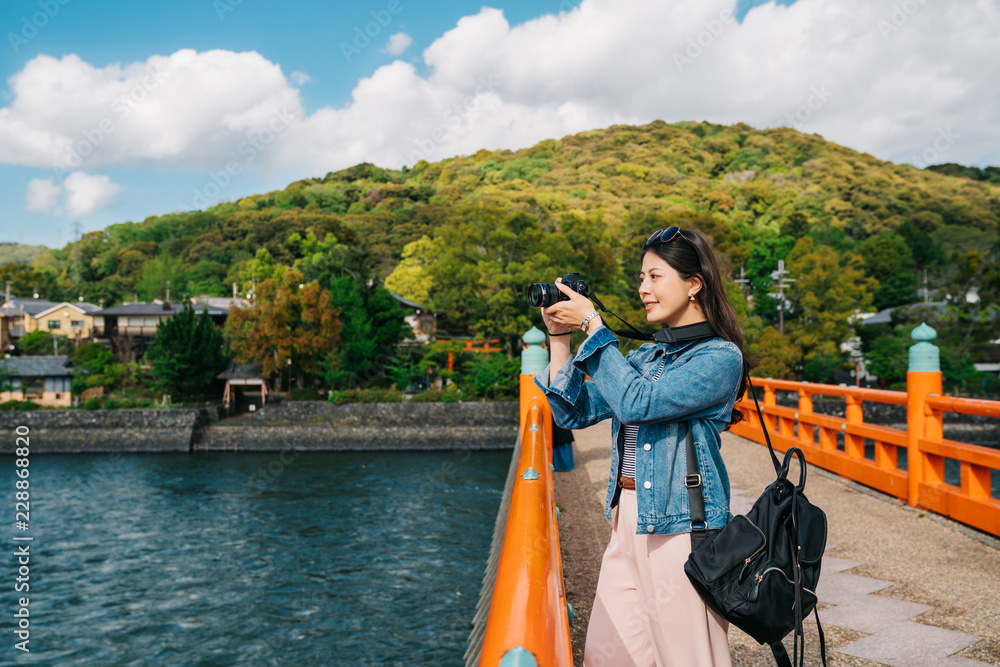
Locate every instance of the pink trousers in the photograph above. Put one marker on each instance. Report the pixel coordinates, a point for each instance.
(646, 612)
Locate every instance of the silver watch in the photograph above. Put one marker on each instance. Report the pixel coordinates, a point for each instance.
(583, 325)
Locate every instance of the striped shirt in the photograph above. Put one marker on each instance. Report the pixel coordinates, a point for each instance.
(631, 436)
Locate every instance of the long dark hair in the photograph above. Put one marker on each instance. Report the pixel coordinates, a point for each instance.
(696, 259)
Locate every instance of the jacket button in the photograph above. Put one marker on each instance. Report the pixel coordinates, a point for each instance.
(647, 484)
(647, 446)
(649, 528)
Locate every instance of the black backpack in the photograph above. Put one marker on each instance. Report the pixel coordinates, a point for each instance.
(760, 572)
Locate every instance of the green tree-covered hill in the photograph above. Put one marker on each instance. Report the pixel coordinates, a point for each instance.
(466, 235)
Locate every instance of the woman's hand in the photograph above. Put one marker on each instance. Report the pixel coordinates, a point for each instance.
(565, 316)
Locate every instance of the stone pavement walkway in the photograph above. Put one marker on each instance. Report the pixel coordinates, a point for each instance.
(898, 587)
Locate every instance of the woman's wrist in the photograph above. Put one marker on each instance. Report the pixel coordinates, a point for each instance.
(588, 322)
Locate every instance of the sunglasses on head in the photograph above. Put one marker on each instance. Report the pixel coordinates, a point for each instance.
(664, 235)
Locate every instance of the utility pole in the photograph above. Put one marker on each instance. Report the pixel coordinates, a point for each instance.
(926, 293)
(746, 286)
(779, 278)
(168, 291)
(743, 282)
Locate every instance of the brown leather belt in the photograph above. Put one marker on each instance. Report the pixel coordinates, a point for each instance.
(626, 482)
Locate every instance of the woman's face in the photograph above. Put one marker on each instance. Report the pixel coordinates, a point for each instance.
(665, 294)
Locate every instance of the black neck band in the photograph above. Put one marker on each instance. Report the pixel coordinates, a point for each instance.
(673, 335)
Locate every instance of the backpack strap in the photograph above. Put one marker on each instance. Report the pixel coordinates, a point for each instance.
(696, 502)
(763, 424)
(781, 655)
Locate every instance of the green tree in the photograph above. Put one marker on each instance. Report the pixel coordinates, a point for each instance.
(483, 268)
(24, 280)
(249, 273)
(828, 291)
(764, 256)
(91, 365)
(325, 260)
(888, 356)
(187, 353)
(354, 360)
(410, 278)
(777, 356)
(926, 253)
(159, 274)
(44, 343)
(490, 377)
(889, 260)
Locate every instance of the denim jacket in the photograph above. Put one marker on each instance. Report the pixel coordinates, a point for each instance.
(697, 385)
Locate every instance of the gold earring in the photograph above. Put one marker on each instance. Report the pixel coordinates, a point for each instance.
(691, 297)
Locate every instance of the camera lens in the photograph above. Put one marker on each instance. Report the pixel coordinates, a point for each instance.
(538, 295)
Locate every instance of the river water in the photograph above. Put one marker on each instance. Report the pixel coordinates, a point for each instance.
(253, 559)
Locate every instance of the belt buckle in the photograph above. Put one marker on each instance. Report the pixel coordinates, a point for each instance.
(692, 481)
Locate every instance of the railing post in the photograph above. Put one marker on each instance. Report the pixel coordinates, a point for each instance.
(534, 359)
(923, 378)
(854, 445)
(806, 436)
(770, 400)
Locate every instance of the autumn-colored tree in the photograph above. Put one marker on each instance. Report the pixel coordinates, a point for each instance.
(289, 321)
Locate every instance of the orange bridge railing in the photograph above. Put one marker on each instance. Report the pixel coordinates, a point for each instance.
(523, 618)
(922, 482)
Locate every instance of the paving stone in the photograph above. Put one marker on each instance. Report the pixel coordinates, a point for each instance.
(909, 644)
(839, 587)
(871, 613)
(955, 661)
(832, 565)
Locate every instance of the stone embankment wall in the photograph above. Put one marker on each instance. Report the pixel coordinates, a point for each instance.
(106, 431)
(315, 426)
(303, 426)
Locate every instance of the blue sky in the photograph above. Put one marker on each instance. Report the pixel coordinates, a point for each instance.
(442, 78)
(300, 36)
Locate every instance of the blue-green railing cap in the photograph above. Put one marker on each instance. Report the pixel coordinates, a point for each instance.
(923, 355)
(534, 359)
(518, 657)
(530, 473)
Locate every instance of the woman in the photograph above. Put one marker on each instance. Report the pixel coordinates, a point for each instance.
(646, 612)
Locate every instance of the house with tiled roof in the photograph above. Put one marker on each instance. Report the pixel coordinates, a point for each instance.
(130, 327)
(73, 320)
(18, 312)
(43, 380)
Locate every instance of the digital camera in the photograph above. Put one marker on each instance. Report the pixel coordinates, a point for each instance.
(543, 295)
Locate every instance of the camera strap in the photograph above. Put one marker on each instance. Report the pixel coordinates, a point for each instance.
(665, 335)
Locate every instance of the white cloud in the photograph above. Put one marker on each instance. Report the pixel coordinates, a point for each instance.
(42, 195)
(86, 193)
(863, 73)
(830, 68)
(187, 109)
(300, 78)
(398, 43)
